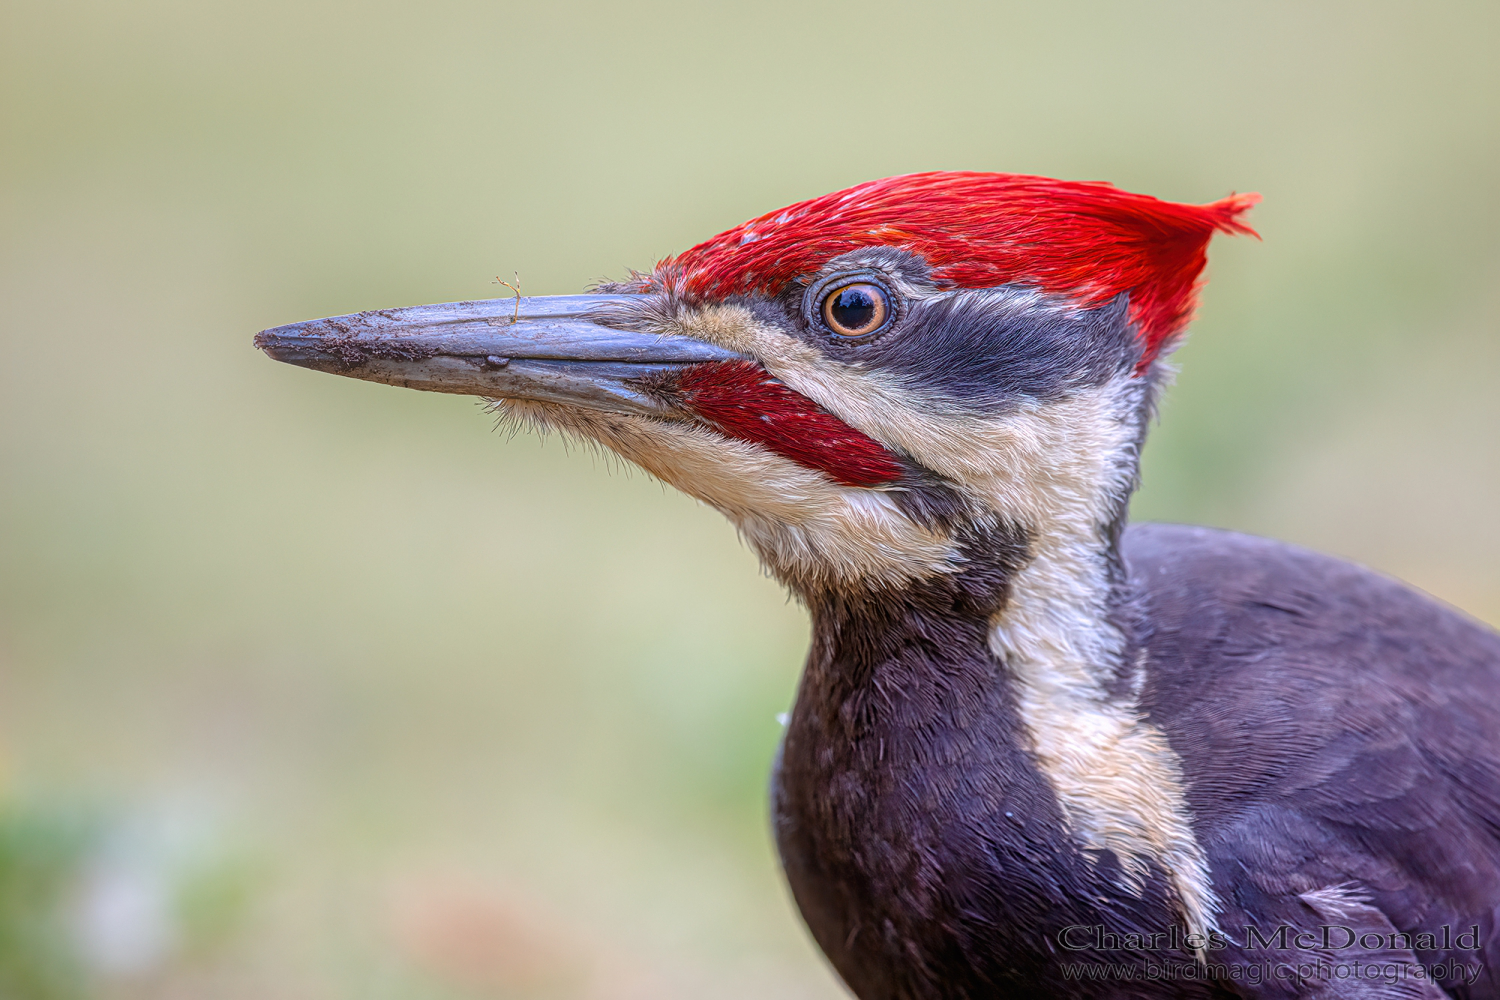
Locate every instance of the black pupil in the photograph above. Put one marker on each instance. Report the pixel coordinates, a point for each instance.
(853, 308)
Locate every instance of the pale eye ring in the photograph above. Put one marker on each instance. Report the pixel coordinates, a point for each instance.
(857, 309)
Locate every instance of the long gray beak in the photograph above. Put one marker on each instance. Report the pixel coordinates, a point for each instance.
(546, 348)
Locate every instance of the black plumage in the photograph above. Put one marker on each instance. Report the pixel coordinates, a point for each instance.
(1337, 729)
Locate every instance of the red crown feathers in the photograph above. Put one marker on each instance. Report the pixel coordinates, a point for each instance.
(1088, 240)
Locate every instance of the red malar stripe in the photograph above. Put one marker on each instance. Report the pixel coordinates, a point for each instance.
(741, 400)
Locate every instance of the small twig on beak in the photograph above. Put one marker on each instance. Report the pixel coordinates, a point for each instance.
(516, 316)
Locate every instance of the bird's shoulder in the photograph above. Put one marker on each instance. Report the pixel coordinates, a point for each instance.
(1277, 667)
(1220, 611)
(1335, 726)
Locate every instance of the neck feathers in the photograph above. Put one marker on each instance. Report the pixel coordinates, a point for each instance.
(1039, 594)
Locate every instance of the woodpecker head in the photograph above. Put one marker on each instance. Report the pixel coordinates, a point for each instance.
(872, 385)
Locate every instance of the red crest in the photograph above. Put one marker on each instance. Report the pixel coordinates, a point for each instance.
(1088, 240)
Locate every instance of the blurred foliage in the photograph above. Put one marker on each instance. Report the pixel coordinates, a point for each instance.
(489, 714)
(41, 851)
(212, 902)
(98, 900)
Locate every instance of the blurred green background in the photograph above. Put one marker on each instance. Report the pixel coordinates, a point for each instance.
(313, 688)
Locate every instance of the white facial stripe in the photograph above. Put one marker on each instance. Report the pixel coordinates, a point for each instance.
(1116, 777)
(1118, 780)
(805, 527)
(1029, 462)
(1059, 470)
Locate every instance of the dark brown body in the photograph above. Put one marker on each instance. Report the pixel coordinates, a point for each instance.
(1335, 728)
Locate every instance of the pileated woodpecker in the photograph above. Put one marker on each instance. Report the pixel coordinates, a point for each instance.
(1034, 753)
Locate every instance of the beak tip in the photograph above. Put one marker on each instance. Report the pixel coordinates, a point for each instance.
(291, 345)
(277, 347)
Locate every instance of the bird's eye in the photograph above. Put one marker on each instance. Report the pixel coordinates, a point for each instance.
(856, 310)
